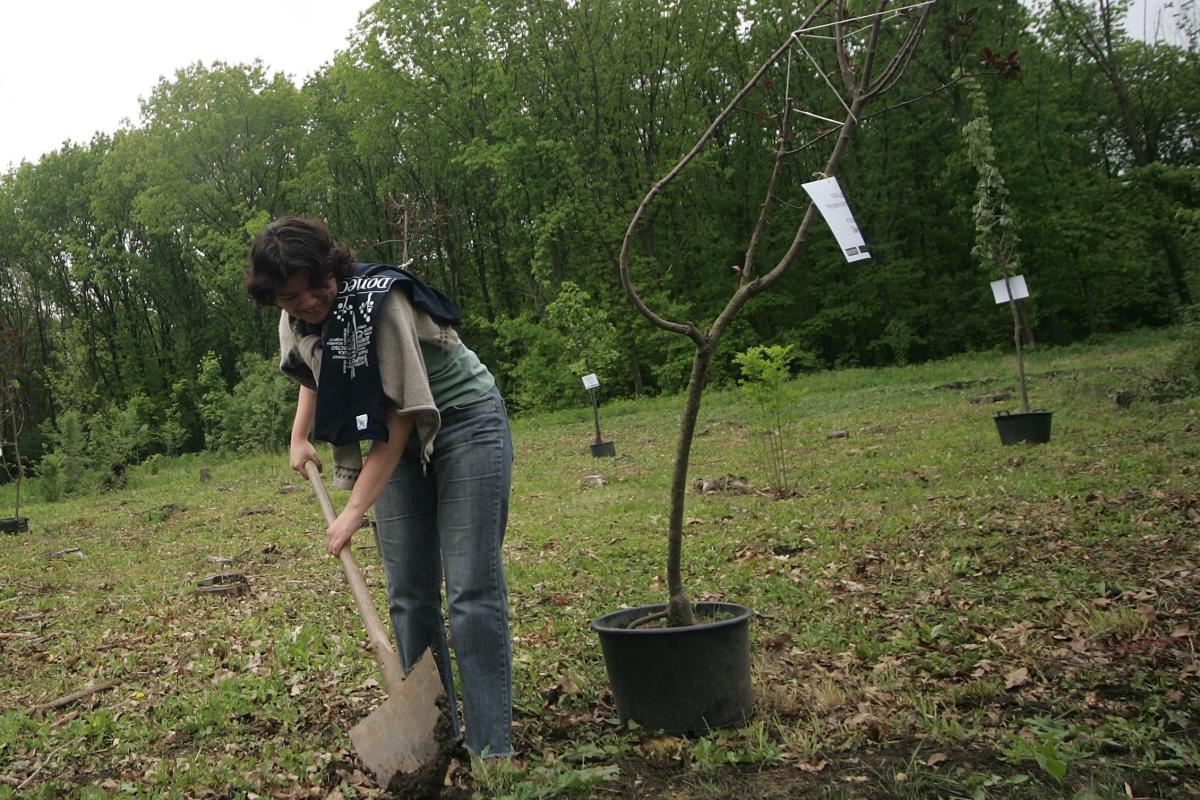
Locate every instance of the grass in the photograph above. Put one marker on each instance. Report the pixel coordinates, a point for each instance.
(940, 616)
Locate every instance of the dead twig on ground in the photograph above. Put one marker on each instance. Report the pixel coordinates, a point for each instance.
(71, 698)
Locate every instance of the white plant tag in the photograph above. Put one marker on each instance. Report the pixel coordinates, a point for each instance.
(831, 202)
(1016, 287)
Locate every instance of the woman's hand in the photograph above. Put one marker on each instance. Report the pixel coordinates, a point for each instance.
(302, 450)
(338, 534)
(377, 469)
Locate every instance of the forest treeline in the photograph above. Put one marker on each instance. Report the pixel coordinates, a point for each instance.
(504, 145)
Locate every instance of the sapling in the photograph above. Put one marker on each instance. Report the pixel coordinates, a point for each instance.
(862, 73)
(12, 417)
(11, 424)
(764, 383)
(995, 235)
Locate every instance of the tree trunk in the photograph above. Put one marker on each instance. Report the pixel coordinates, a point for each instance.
(1170, 250)
(1052, 323)
(1091, 307)
(886, 299)
(635, 366)
(17, 454)
(679, 607)
(1020, 355)
(1025, 326)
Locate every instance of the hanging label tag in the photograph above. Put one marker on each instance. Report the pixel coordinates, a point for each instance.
(831, 202)
(1017, 290)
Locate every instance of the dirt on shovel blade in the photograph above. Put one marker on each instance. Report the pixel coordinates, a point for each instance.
(428, 780)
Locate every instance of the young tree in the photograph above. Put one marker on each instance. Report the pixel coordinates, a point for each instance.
(869, 63)
(995, 235)
(12, 414)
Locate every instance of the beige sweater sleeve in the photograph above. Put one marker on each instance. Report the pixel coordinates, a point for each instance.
(401, 328)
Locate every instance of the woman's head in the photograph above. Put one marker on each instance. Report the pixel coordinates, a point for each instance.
(290, 248)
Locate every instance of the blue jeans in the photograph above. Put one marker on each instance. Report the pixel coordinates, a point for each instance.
(449, 522)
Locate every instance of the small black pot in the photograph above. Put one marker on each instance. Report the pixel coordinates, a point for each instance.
(1030, 426)
(604, 450)
(14, 525)
(680, 680)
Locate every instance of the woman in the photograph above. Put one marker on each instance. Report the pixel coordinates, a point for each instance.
(377, 358)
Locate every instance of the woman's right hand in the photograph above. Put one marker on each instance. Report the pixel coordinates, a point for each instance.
(303, 451)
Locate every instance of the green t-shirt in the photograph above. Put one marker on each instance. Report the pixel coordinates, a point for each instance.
(455, 378)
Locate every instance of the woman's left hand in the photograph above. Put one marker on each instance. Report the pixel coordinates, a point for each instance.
(338, 534)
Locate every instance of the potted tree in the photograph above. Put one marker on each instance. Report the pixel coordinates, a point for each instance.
(12, 420)
(691, 670)
(995, 245)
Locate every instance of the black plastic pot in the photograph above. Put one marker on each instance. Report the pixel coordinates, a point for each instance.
(1030, 426)
(14, 525)
(604, 450)
(680, 680)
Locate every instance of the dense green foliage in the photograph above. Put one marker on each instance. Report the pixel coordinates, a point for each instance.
(503, 147)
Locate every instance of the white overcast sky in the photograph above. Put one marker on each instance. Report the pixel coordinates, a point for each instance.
(69, 68)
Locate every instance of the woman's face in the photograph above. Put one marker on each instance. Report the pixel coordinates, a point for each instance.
(304, 302)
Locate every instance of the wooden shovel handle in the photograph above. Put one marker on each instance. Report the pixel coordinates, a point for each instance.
(381, 643)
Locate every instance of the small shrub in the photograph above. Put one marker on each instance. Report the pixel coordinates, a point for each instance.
(50, 485)
(764, 382)
(1182, 375)
(69, 437)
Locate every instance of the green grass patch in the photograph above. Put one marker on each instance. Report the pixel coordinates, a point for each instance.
(939, 615)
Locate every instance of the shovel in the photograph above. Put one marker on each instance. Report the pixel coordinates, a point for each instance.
(407, 742)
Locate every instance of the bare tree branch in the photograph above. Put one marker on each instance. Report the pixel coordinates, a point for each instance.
(899, 63)
(689, 329)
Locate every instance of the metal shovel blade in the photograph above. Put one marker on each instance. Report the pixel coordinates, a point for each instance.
(400, 742)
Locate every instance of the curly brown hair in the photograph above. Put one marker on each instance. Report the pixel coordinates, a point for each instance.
(290, 246)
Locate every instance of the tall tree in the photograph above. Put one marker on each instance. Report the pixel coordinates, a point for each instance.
(1154, 112)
